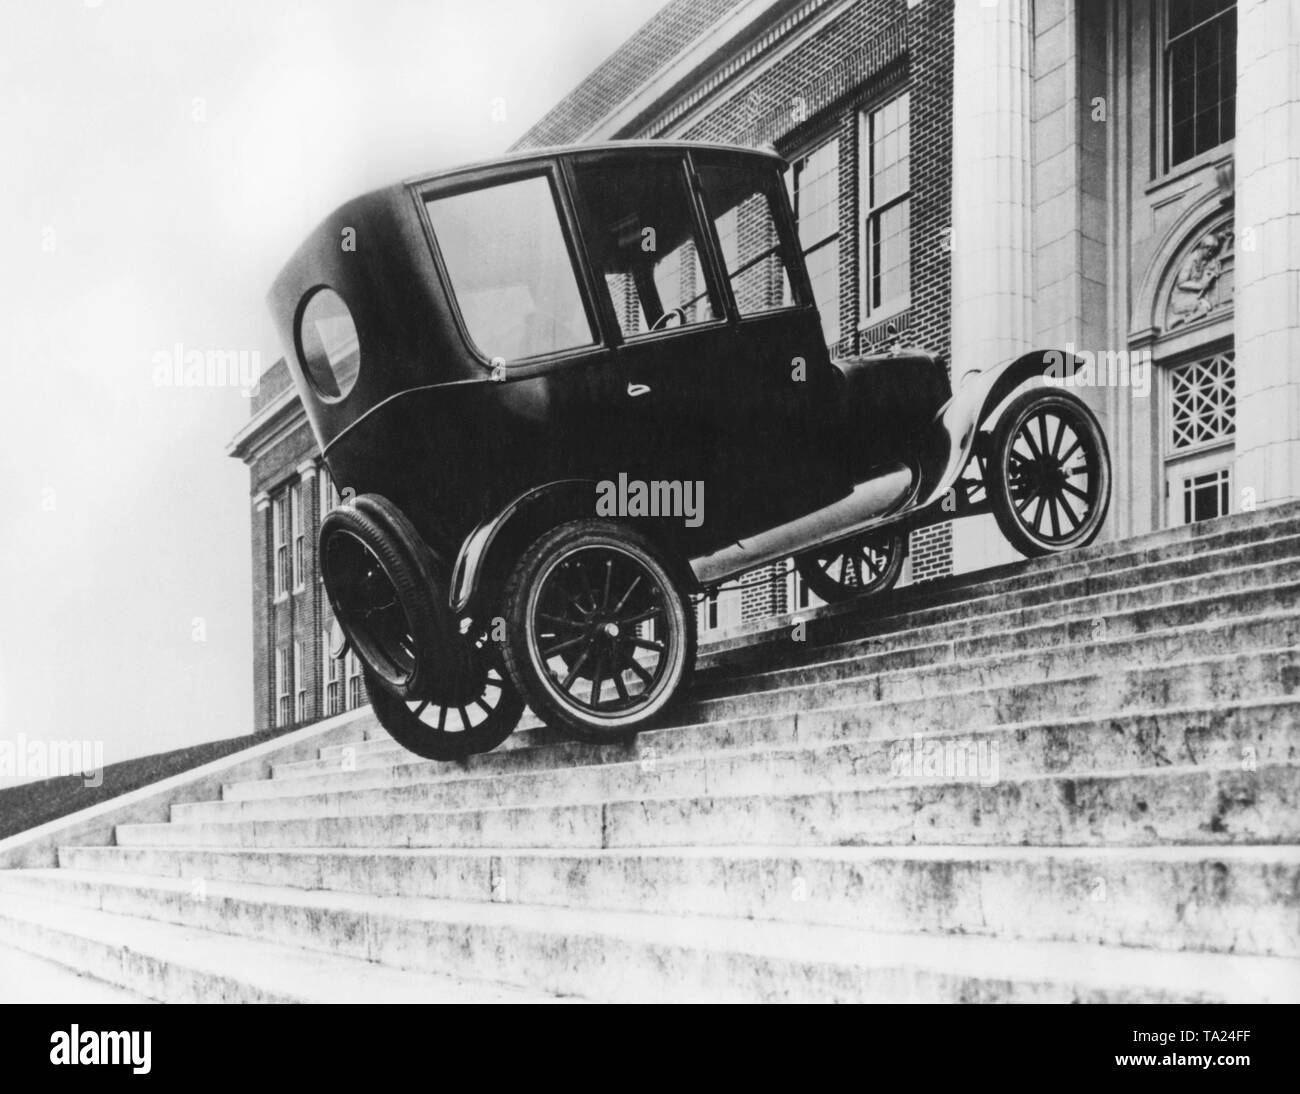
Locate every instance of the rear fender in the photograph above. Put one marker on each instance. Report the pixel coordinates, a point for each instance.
(951, 437)
(546, 505)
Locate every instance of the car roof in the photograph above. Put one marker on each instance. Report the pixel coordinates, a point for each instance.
(540, 154)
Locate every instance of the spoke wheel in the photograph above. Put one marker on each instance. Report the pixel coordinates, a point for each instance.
(865, 566)
(477, 720)
(1049, 478)
(600, 638)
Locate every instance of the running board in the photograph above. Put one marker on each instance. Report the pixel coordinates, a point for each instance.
(869, 503)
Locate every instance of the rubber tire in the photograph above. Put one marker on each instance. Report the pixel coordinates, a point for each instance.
(997, 482)
(415, 573)
(833, 592)
(416, 736)
(519, 662)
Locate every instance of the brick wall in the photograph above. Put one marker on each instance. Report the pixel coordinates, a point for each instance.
(932, 552)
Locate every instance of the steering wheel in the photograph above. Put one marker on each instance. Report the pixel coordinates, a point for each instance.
(662, 321)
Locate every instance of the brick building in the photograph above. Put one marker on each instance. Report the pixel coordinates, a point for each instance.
(977, 177)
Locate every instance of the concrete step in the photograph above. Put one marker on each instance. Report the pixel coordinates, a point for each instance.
(1221, 682)
(1061, 580)
(25, 979)
(629, 956)
(960, 614)
(1218, 599)
(1242, 900)
(173, 963)
(851, 682)
(865, 657)
(1236, 594)
(1142, 807)
(981, 606)
(1261, 733)
(1196, 734)
(1047, 684)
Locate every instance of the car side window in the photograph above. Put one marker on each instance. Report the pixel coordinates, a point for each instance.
(740, 203)
(510, 269)
(642, 236)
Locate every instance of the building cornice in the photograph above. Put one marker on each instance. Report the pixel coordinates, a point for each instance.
(745, 66)
(268, 427)
(687, 64)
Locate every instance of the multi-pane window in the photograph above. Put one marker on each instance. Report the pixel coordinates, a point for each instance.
(753, 252)
(815, 193)
(800, 597)
(885, 208)
(280, 531)
(1201, 76)
(300, 685)
(1200, 424)
(1202, 402)
(332, 679)
(719, 611)
(282, 708)
(356, 693)
(1206, 496)
(298, 535)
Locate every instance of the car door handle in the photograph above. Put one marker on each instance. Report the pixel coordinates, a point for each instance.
(638, 389)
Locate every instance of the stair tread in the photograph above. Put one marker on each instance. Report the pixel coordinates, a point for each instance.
(288, 971)
(883, 784)
(26, 978)
(307, 768)
(1089, 965)
(448, 774)
(1280, 853)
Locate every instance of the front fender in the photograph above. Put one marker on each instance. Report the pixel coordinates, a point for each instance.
(478, 544)
(951, 436)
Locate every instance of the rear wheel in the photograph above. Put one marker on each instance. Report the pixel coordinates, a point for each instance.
(864, 566)
(477, 720)
(1048, 475)
(600, 639)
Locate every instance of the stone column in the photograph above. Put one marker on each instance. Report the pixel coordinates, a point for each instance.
(1267, 218)
(992, 237)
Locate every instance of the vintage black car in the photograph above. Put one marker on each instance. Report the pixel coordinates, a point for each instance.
(564, 392)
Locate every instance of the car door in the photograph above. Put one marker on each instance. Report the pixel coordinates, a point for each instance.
(668, 415)
(778, 359)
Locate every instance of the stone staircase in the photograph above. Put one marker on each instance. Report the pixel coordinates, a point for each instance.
(1073, 779)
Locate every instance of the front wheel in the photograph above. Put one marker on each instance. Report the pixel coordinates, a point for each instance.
(859, 567)
(600, 638)
(1048, 475)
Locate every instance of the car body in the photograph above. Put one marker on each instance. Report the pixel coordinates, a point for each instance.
(501, 349)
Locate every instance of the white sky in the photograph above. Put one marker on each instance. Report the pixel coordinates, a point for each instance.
(133, 217)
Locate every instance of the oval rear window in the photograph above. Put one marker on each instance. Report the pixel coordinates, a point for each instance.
(327, 344)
